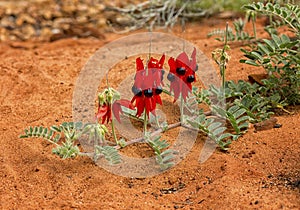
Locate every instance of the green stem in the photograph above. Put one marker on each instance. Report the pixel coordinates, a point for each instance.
(181, 110)
(223, 58)
(254, 27)
(157, 122)
(145, 122)
(114, 131)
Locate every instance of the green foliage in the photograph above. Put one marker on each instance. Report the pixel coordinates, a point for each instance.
(41, 132)
(245, 103)
(164, 156)
(110, 153)
(64, 136)
(235, 115)
(96, 133)
(280, 55)
(202, 96)
(251, 98)
(214, 130)
(238, 34)
(288, 14)
(66, 150)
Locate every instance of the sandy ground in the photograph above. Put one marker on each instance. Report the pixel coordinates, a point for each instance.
(260, 171)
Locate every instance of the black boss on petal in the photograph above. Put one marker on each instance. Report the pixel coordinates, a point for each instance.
(171, 77)
(148, 93)
(158, 90)
(190, 78)
(136, 91)
(181, 71)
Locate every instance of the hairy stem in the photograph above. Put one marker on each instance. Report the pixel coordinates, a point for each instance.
(181, 110)
(114, 131)
(141, 139)
(223, 59)
(254, 27)
(145, 122)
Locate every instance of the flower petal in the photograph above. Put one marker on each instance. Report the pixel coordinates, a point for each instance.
(183, 58)
(139, 64)
(161, 61)
(172, 65)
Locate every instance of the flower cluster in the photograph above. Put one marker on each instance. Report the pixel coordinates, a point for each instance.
(108, 103)
(148, 85)
(182, 74)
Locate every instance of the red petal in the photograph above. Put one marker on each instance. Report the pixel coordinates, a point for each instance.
(108, 115)
(153, 63)
(172, 65)
(104, 112)
(193, 63)
(148, 80)
(139, 78)
(139, 64)
(140, 104)
(126, 103)
(116, 108)
(161, 61)
(182, 57)
(158, 100)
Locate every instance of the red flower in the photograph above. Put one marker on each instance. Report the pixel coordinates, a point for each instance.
(105, 110)
(148, 85)
(182, 74)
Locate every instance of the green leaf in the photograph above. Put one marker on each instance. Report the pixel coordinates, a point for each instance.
(262, 48)
(284, 14)
(55, 128)
(244, 125)
(242, 119)
(78, 125)
(213, 126)
(45, 131)
(23, 136)
(256, 55)
(233, 109)
(35, 131)
(50, 134)
(167, 159)
(258, 5)
(40, 130)
(270, 7)
(167, 152)
(251, 62)
(64, 125)
(270, 45)
(248, 6)
(224, 136)
(110, 153)
(276, 40)
(218, 131)
(56, 138)
(239, 112)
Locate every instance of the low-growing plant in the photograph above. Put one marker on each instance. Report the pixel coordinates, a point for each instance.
(238, 34)
(233, 105)
(280, 55)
